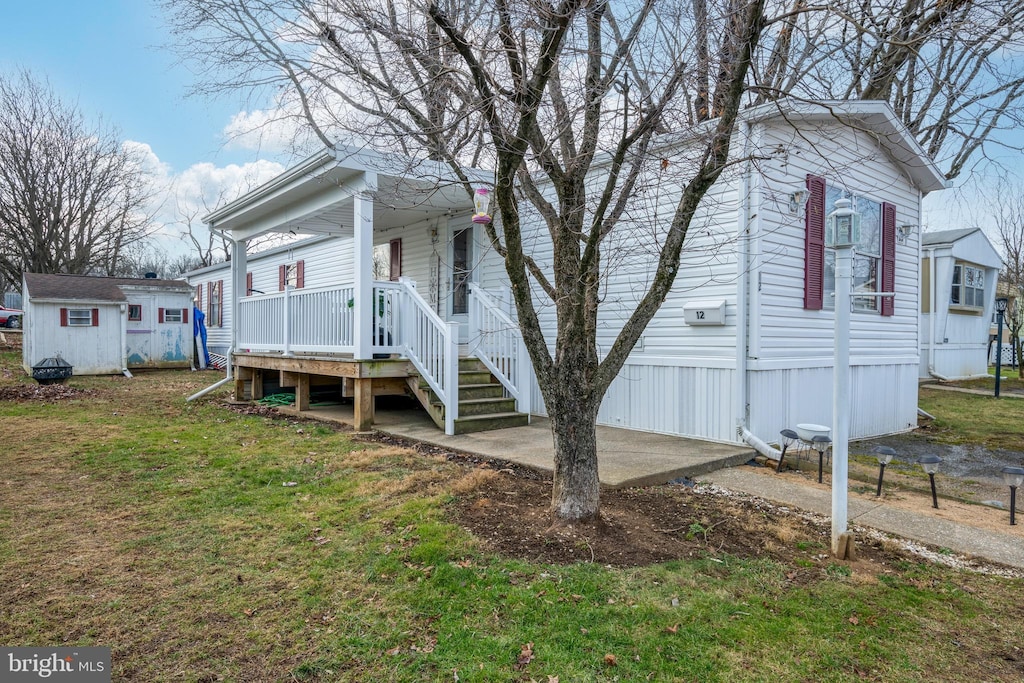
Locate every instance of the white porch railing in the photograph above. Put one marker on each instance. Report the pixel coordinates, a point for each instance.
(322, 320)
(496, 340)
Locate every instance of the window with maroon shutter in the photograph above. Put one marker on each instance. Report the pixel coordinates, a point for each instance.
(300, 274)
(814, 244)
(215, 313)
(199, 297)
(282, 277)
(396, 259)
(172, 315)
(79, 317)
(184, 315)
(888, 283)
(135, 312)
(219, 317)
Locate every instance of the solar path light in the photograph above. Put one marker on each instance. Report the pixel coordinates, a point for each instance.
(789, 437)
(930, 464)
(884, 455)
(821, 444)
(1014, 477)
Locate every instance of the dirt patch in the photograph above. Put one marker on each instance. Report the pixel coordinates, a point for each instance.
(46, 393)
(645, 526)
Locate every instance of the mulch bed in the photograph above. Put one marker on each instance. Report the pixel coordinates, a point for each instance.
(46, 393)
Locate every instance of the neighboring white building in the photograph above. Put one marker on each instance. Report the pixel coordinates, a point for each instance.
(105, 325)
(745, 338)
(959, 271)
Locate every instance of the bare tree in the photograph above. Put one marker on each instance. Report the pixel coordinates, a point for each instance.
(1009, 214)
(952, 70)
(72, 196)
(564, 100)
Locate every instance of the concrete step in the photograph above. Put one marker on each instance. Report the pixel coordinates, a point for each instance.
(480, 423)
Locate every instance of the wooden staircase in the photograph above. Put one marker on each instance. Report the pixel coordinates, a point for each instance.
(482, 401)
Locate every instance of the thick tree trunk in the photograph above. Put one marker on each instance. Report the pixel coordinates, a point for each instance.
(576, 493)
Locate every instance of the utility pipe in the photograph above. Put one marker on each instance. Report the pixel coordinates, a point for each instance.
(759, 445)
(212, 387)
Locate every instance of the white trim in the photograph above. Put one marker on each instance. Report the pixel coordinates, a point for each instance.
(826, 362)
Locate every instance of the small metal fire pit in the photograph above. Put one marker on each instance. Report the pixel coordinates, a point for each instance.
(51, 371)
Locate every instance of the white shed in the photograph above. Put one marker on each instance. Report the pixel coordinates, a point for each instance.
(959, 271)
(105, 325)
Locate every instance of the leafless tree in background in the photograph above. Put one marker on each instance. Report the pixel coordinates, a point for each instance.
(73, 198)
(1009, 213)
(952, 70)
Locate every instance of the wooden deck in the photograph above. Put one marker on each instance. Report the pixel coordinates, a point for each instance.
(360, 379)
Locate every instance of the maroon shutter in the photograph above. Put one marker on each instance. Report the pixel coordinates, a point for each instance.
(199, 297)
(282, 277)
(63, 317)
(220, 303)
(396, 259)
(814, 244)
(888, 283)
(300, 274)
(184, 315)
(95, 317)
(248, 284)
(159, 315)
(209, 297)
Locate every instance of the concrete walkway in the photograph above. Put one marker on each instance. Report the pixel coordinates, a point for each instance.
(630, 458)
(1004, 548)
(625, 457)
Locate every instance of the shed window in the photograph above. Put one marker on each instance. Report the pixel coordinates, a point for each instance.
(968, 286)
(173, 315)
(79, 317)
(135, 312)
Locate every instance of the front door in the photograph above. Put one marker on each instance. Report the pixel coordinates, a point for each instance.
(461, 261)
(142, 322)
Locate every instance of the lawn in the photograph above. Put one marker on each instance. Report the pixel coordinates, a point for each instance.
(207, 544)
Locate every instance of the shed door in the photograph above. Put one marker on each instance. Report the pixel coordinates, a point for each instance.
(141, 330)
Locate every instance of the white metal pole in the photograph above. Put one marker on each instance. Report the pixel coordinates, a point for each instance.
(841, 395)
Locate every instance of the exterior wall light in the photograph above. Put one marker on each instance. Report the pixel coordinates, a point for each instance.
(481, 200)
(930, 464)
(884, 455)
(1014, 477)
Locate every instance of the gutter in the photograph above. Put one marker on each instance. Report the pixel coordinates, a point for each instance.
(742, 303)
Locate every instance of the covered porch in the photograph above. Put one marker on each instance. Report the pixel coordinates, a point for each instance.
(379, 337)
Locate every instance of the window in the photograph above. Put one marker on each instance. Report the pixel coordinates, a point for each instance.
(866, 255)
(135, 312)
(79, 317)
(215, 298)
(968, 288)
(874, 261)
(172, 315)
(291, 274)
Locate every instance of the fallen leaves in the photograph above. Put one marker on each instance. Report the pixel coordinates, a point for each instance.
(525, 657)
(610, 660)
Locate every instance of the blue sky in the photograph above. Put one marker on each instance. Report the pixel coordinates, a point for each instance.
(107, 56)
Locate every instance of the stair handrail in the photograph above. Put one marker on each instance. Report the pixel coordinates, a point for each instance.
(418, 340)
(503, 350)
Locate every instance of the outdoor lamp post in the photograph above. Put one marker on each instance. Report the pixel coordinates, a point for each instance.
(481, 200)
(1014, 477)
(930, 463)
(789, 437)
(842, 233)
(821, 443)
(1001, 303)
(884, 455)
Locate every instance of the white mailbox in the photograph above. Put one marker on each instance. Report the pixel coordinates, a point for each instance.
(704, 312)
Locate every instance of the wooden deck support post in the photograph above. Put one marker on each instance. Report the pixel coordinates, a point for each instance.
(363, 404)
(302, 392)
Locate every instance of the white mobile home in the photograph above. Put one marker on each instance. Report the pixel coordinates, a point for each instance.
(105, 325)
(959, 271)
(744, 341)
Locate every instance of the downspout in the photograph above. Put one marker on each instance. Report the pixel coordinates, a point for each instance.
(742, 302)
(229, 375)
(932, 308)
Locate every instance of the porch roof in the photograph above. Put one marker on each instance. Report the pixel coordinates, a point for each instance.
(316, 196)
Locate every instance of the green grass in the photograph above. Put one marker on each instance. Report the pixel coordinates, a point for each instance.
(975, 419)
(131, 519)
